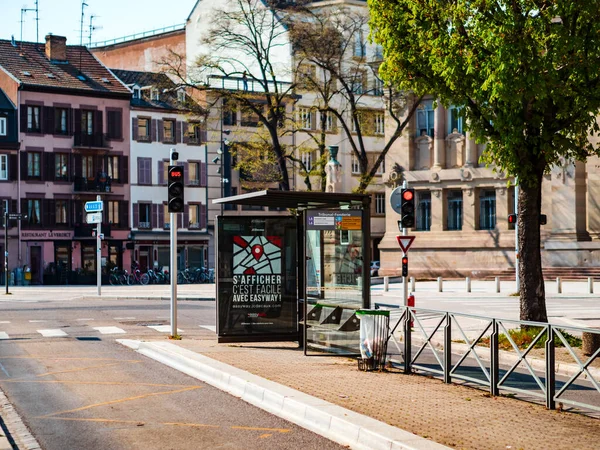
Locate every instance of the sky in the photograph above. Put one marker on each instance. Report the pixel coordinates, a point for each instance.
(113, 18)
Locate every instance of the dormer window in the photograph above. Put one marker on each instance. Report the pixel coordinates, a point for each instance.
(137, 92)
(181, 96)
(154, 94)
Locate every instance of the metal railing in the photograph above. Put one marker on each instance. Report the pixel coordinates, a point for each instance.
(248, 84)
(94, 140)
(423, 340)
(143, 34)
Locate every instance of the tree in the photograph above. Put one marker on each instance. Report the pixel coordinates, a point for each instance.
(341, 84)
(240, 68)
(528, 75)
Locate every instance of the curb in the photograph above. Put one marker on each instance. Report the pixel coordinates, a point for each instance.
(319, 416)
(16, 428)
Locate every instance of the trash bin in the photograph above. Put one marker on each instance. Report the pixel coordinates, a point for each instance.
(374, 334)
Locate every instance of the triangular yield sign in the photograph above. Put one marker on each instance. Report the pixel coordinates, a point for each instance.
(405, 242)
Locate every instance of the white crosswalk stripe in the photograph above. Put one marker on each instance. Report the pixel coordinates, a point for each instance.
(209, 327)
(52, 333)
(163, 328)
(110, 330)
(4, 321)
(3, 335)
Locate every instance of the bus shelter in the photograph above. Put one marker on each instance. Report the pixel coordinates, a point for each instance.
(295, 277)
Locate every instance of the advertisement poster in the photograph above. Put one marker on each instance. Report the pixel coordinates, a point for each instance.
(256, 291)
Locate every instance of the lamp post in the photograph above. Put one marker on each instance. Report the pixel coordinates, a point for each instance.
(222, 155)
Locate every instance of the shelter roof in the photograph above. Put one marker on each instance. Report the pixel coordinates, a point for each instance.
(297, 199)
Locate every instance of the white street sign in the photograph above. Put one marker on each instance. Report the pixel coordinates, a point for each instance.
(93, 217)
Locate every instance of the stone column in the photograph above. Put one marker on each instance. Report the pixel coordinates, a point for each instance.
(469, 214)
(502, 209)
(438, 210)
(472, 157)
(439, 136)
(569, 202)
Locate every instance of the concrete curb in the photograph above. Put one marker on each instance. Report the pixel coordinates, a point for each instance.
(319, 416)
(17, 429)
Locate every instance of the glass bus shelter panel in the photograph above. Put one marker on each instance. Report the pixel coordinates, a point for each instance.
(256, 279)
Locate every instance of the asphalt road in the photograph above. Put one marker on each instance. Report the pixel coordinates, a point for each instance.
(76, 388)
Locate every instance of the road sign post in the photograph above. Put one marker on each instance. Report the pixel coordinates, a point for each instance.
(175, 203)
(9, 216)
(94, 210)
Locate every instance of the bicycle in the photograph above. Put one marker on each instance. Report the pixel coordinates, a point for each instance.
(137, 277)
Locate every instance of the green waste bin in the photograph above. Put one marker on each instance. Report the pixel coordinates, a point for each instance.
(374, 335)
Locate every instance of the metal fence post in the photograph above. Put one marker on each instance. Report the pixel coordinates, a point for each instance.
(386, 284)
(590, 285)
(447, 348)
(407, 342)
(412, 284)
(497, 285)
(494, 363)
(558, 285)
(468, 284)
(550, 368)
(440, 287)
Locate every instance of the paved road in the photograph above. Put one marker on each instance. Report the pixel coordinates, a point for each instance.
(76, 388)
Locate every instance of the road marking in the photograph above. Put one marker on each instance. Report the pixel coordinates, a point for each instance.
(123, 318)
(122, 400)
(264, 436)
(209, 327)
(279, 430)
(37, 321)
(85, 319)
(110, 330)
(81, 369)
(3, 335)
(4, 370)
(164, 328)
(52, 333)
(105, 383)
(4, 321)
(196, 425)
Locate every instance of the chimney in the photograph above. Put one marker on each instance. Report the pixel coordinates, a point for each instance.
(56, 48)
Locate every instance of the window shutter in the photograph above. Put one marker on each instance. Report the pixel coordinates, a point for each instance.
(154, 215)
(161, 130)
(136, 215)
(148, 168)
(69, 214)
(124, 214)
(153, 130)
(24, 210)
(77, 121)
(185, 128)
(186, 216)
(23, 118)
(98, 125)
(23, 165)
(178, 132)
(161, 172)
(203, 174)
(161, 215)
(203, 135)
(49, 212)
(48, 120)
(134, 128)
(49, 161)
(13, 167)
(124, 169)
(118, 124)
(186, 174)
(313, 120)
(202, 218)
(78, 165)
(69, 121)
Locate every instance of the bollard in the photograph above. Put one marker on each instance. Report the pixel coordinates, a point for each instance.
(590, 285)
(412, 284)
(497, 285)
(440, 281)
(468, 283)
(558, 285)
(386, 284)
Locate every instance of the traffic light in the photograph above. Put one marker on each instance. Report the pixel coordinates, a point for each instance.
(512, 218)
(543, 219)
(175, 186)
(408, 208)
(405, 266)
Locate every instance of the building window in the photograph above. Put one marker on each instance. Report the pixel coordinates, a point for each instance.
(330, 122)
(3, 167)
(194, 216)
(378, 53)
(143, 129)
(380, 203)
(180, 95)
(154, 94)
(194, 133)
(33, 119)
(33, 212)
(306, 118)
(381, 168)
(306, 76)
(61, 166)
(425, 119)
(145, 215)
(137, 92)
(229, 113)
(487, 210)
(2, 126)
(377, 86)
(144, 171)
(112, 167)
(60, 120)
(169, 131)
(455, 120)
(360, 46)
(113, 212)
(60, 211)
(87, 122)
(33, 164)
(423, 210)
(359, 82)
(193, 174)
(379, 123)
(249, 118)
(167, 216)
(355, 165)
(87, 167)
(307, 160)
(455, 202)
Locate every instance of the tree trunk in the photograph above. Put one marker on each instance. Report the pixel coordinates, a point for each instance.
(531, 283)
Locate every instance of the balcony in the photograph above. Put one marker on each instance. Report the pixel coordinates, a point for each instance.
(144, 225)
(86, 230)
(94, 140)
(97, 184)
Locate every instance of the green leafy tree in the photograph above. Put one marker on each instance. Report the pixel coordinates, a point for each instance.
(528, 75)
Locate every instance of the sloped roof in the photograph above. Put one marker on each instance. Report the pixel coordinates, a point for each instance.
(5, 102)
(166, 87)
(27, 62)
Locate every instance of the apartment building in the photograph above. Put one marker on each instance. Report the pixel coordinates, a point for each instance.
(161, 120)
(72, 147)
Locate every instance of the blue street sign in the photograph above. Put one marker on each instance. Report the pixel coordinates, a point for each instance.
(93, 206)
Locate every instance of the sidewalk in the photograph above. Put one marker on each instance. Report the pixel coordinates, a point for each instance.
(452, 415)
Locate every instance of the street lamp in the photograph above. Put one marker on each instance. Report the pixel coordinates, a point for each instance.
(222, 155)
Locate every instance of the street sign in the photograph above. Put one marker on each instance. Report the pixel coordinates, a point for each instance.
(93, 217)
(405, 242)
(93, 206)
(396, 199)
(17, 216)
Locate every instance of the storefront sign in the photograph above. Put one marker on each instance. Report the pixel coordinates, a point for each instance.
(333, 220)
(45, 235)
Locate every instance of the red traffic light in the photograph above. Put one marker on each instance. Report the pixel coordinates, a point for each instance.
(176, 172)
(512, 218)
(405, 260)
(408, 195)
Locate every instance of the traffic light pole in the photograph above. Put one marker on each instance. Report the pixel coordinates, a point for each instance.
(6, 251)
(404, 278)
(99, 253)
(173, 232)
(517, 281)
